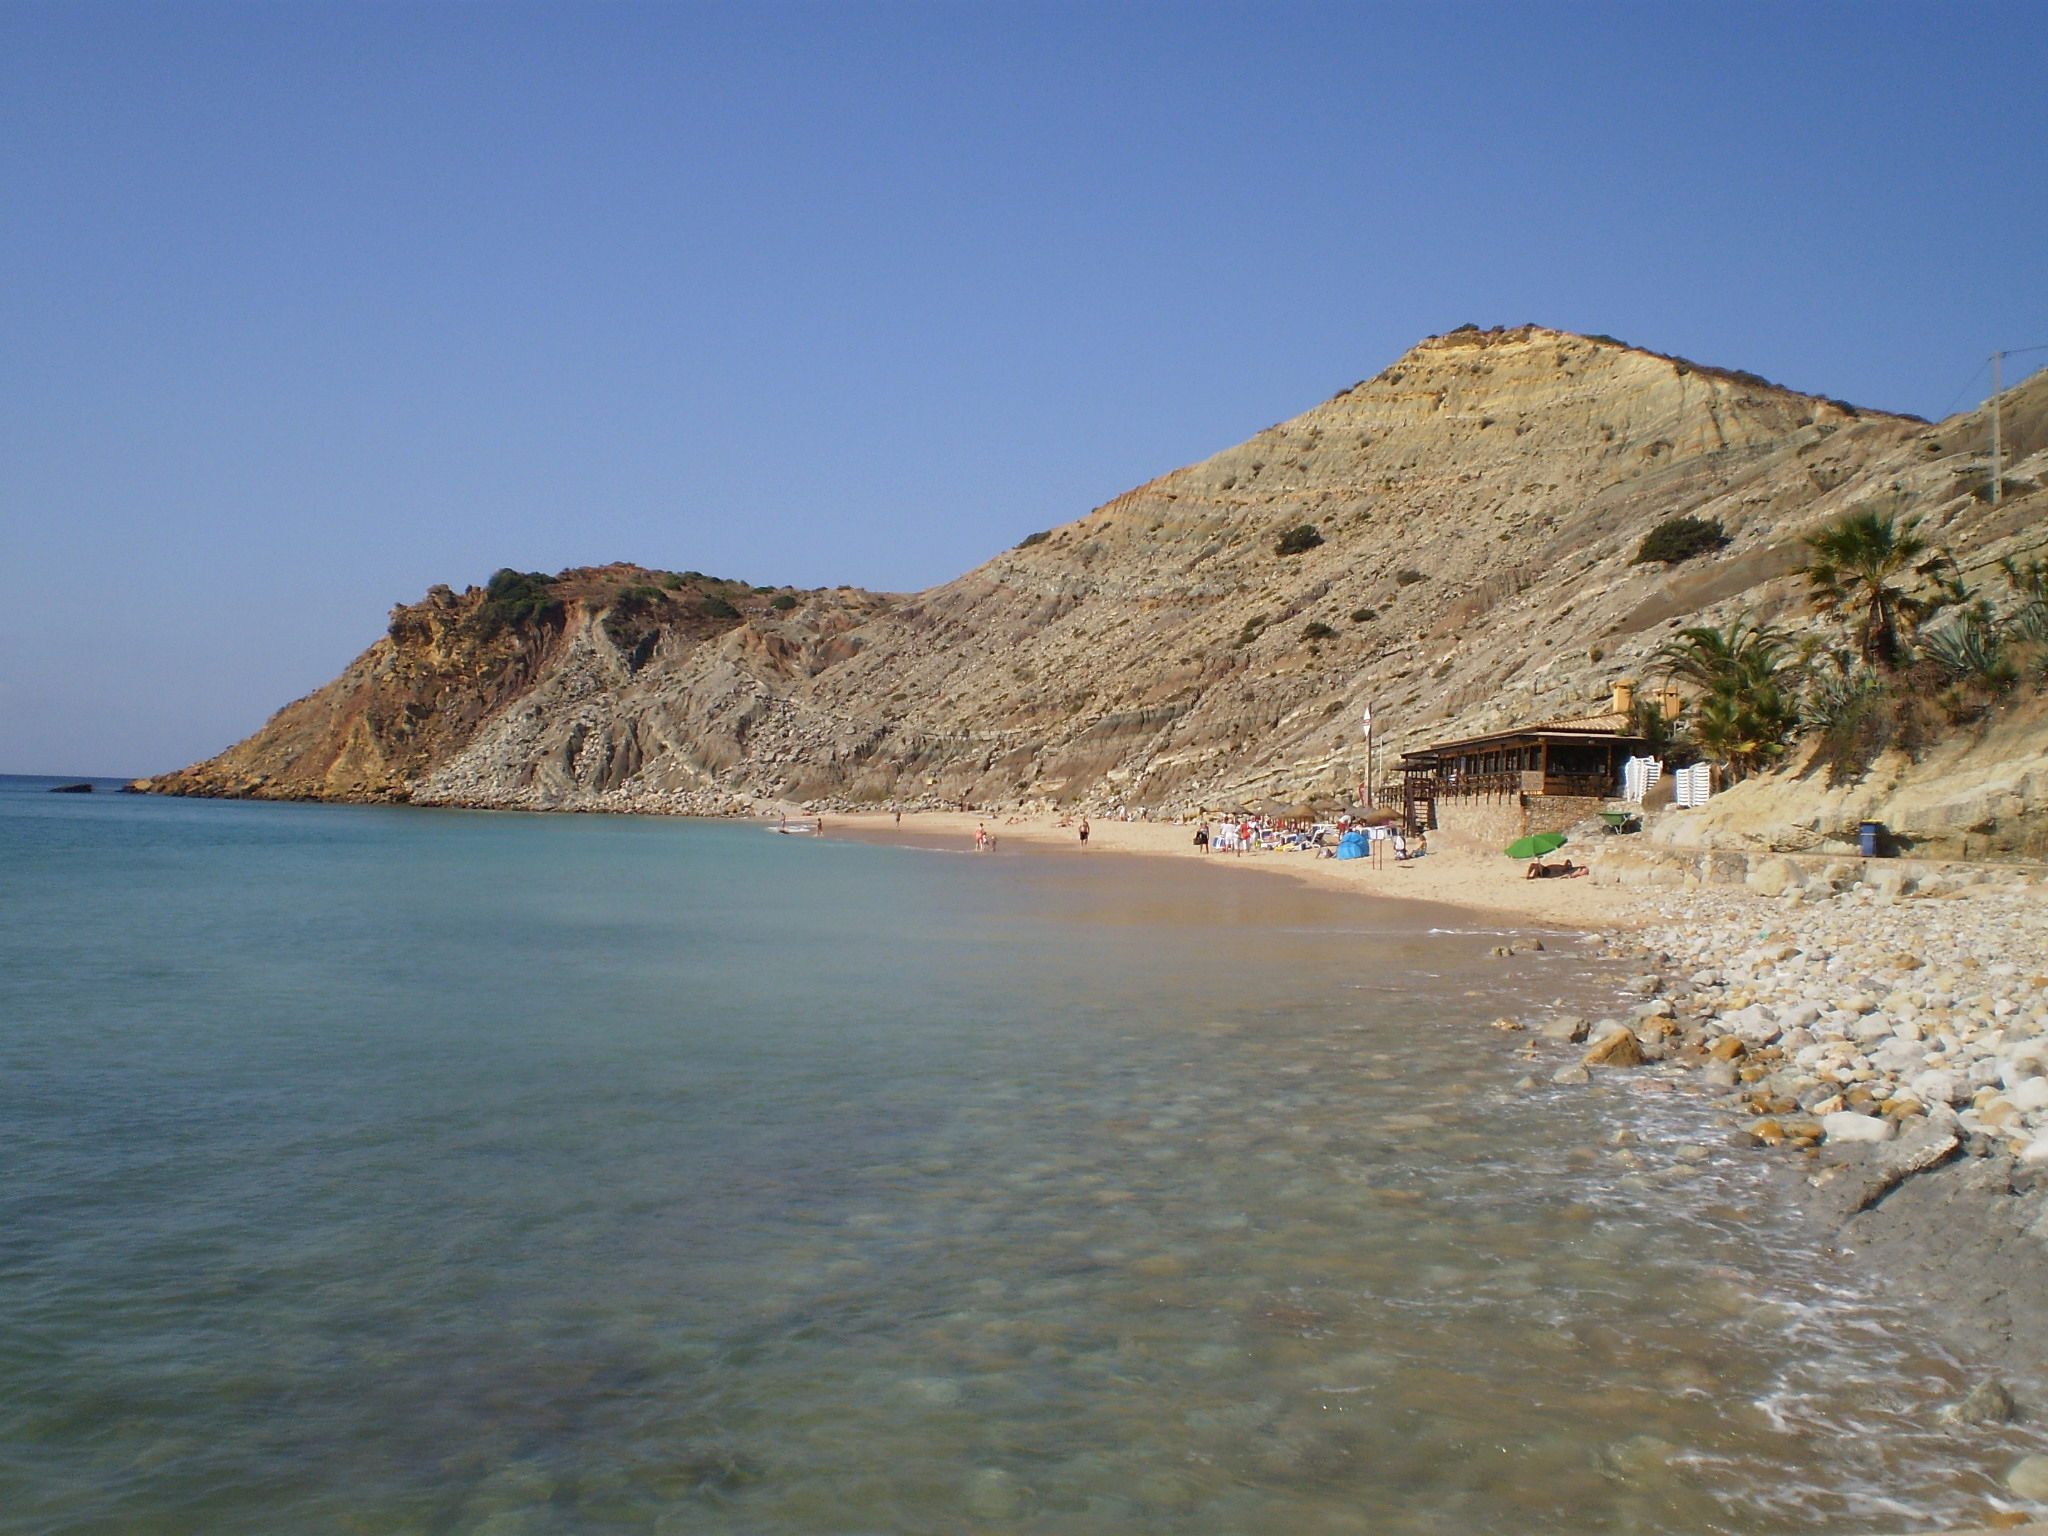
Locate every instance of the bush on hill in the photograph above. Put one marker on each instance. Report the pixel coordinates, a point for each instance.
(516, 597)
(1680, 538)
(1298, 540)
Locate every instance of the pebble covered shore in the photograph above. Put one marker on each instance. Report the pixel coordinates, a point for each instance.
(1860, 1018)
(1892, 1051)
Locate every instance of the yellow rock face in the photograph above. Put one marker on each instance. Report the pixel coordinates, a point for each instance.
(1478, 503)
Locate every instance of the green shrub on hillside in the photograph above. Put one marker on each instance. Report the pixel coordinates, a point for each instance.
(713, 606)
(1298, 540)
(1318, 631)
(782, 602)
(1408, 578)
(1364, 615)
(1030, 539)
(1680, 538)
(515, 597)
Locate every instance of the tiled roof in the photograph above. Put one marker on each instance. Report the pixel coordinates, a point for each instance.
(1606, 720)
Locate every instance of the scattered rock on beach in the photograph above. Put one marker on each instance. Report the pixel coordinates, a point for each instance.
(2029, 1479)
(1849, 1125)
(1619, 1049)
(1986, 1403)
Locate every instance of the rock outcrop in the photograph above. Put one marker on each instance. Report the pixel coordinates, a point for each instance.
(1474, 512)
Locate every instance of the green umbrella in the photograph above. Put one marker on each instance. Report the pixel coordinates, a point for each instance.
(1536, 845)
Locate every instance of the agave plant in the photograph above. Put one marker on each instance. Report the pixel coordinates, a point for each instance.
(1837, 696)
(2027, 628)
(1971, 648)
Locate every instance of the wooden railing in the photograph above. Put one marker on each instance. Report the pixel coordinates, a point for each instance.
(1501, 786)
(1473, 786)
(1596, 786)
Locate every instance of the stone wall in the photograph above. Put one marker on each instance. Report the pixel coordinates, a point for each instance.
(1492, 823)
(1559, 813)
(1629, 861)
(1489, 823)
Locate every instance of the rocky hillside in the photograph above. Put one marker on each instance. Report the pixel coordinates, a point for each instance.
(1472, 515)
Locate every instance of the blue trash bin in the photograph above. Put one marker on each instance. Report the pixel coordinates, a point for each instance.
(1870, 835)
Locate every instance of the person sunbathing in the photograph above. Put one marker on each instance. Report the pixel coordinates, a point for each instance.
(1565, 871)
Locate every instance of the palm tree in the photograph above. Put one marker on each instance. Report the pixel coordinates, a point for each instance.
(1746, 708)
(1742, 656)
(1859, 564)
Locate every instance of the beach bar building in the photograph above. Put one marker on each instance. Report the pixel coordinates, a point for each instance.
(1529, 778)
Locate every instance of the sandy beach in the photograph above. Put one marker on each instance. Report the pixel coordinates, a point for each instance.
(1483, 882)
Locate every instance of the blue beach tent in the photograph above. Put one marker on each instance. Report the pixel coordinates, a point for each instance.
(1351, 846)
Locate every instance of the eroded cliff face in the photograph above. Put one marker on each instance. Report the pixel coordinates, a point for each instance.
(1478, 504)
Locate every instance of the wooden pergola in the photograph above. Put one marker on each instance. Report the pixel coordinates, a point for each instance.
(1554, 759)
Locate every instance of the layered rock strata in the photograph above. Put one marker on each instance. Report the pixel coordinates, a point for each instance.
(1474, 512)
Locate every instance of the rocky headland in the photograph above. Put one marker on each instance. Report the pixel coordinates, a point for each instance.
(1452, 541)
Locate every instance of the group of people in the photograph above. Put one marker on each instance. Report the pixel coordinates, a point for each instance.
(1321, 839)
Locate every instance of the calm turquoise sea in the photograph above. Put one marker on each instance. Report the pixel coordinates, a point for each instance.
(382, 1171)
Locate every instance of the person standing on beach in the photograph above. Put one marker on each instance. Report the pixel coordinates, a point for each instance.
(1084, 831)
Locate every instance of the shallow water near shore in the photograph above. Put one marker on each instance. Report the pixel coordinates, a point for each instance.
(411, 1171)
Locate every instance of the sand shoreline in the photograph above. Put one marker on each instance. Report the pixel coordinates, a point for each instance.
(1488, 885)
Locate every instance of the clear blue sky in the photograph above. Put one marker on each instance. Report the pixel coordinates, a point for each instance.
(305, 307)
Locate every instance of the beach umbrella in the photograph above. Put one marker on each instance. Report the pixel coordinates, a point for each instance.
(1536, 845)
(1381, 816)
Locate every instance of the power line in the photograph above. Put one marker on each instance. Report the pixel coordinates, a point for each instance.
(1950, 409)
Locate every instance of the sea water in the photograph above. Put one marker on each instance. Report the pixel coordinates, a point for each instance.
(389, 1170)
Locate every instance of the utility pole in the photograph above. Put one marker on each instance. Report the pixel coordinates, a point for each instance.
(1368, 796)
(1997, 448)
